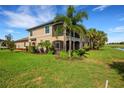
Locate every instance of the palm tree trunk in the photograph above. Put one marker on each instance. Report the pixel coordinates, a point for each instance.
(80, 43)
(73, 45)
(74, 41)
(64, 44)
(70, 44)
(90, 44)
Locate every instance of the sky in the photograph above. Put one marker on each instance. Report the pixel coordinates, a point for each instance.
(16, 19)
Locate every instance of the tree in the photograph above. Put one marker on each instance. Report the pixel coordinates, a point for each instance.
(45, 44)
(41, 46)
(101, 39)
(9, 42)
(90, 34)
(97, 38)
(67, 25)
(70, 21)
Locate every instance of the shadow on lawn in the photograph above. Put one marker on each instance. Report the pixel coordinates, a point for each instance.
(119, 66)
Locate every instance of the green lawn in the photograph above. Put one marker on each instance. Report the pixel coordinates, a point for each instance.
(20, 69)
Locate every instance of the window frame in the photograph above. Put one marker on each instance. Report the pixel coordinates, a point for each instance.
(48, 28)
(31, 34)
(59, 43)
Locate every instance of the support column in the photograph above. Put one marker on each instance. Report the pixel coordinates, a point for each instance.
(74, 41)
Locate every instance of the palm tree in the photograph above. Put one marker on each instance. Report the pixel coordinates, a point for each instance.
(90, 35)
(67, 23)
(97, 38)
(47, 45)
(41, 46)
(70, 21)
(101, 38)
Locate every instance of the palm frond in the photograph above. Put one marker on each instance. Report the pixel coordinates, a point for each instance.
(83, 28)
(64, 19)
(59, 30)
(70, 11)
(80, 29)
(59, 18)
(80, 15)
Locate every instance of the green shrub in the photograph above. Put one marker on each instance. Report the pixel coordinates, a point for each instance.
(78, 53)
(50, 52)
(11, 46)
(81, 52)
(74, 53)
(29, 48)
(52, 49)
(26, 49)
(86, 47)
(32, 49)
(63, 54)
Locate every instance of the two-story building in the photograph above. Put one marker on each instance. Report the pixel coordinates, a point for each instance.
(47, 32)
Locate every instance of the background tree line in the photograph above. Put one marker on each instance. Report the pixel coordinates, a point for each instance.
(117, 42)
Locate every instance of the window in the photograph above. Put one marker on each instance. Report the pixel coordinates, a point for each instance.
(57, 45)
(47, 29)
(30, 33)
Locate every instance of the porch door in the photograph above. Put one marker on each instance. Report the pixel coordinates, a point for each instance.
(57, 46)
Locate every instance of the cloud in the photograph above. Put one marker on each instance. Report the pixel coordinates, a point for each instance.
(29, 16)
(45, 13)
(121, 19)
(24, 9)
(117, 29)
(101, 8)
(10, 31)
(20, 20)
(13, 32)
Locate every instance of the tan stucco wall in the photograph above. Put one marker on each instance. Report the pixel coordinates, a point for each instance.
(40, 34)
(21, 44)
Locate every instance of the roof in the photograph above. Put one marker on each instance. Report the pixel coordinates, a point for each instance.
(23, 39)
(50, 22)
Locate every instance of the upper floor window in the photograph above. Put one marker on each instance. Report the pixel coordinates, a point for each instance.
(47, 30)
(58, 30)
(30, 33)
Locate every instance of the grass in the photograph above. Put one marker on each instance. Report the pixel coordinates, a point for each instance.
(20, 69)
